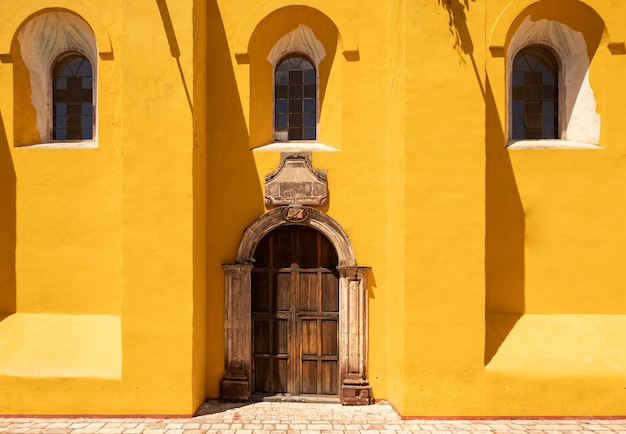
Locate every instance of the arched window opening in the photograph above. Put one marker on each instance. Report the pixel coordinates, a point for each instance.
(295, 99)
(72, 98)
(535, 94)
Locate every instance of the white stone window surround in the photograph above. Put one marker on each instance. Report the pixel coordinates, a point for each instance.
(579, 123)
(300, 41)
(44, 40)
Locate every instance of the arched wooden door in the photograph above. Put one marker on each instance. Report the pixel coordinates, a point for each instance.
(295, 314)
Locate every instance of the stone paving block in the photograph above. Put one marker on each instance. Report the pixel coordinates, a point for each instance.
(317, 426)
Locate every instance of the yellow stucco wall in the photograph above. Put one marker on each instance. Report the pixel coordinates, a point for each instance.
(496, 285)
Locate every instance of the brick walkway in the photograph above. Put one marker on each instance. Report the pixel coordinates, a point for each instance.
(300, 418)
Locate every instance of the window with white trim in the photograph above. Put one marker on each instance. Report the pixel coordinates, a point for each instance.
(295, 99)
(59, 50)
(550, 102)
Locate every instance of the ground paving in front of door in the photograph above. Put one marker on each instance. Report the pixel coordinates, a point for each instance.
(302, 418)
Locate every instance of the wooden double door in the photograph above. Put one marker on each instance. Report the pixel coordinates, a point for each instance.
(295, 314)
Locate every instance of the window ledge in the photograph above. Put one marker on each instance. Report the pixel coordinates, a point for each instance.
(296, 147)
(91, 144)
(550, 144)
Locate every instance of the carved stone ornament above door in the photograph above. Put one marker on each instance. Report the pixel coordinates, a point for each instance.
(296, 182)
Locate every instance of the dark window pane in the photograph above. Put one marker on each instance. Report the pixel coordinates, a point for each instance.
(518, 122)
(309, 134)
(533, 121)
(549, 92)
(281, 122)
(72, 97)
(520, 64)
(547, 122)
(59, 134)
(295, 91)
(295, 77)
(295, 106)
(532, 107)
(532, 78)
(295, 133)
(282, 77)
(532, 92)
(73, 109)
(548, 107)
(281, 91)
(60, 121)
(281, 106)
(549, 133)
(309, 120)
(547, 78)
(86, 121)
(295, 70)
(295, 120)
(533, 134)
(536, 100)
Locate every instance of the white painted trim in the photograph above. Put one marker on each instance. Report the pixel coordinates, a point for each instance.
(90, 144)
(550, 144)
(296, 146)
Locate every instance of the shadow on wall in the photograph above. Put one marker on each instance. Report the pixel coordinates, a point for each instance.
(7, 227)
(457, 23)
(504, 235)
(504, 214)
(234, 195)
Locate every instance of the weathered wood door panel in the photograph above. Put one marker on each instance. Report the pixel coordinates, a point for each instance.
(295, 312)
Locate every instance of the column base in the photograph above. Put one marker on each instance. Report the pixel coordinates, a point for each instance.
(353, 393)
(237, 389)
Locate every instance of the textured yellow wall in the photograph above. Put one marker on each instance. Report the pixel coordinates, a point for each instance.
(496, 283)
(103, 238)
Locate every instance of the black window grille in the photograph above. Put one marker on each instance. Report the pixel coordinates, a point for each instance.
(295, 99)
(535, 94)
(72, 99)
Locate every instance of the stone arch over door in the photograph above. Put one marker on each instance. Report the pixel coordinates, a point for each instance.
(353, 305)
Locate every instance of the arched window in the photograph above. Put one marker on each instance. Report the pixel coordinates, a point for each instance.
(295, 99)
(535, 95)
(72, 98)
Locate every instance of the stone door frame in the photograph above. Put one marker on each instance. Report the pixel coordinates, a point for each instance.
(354, 387)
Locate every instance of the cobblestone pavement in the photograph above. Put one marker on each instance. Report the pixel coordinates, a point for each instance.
(301, 418)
